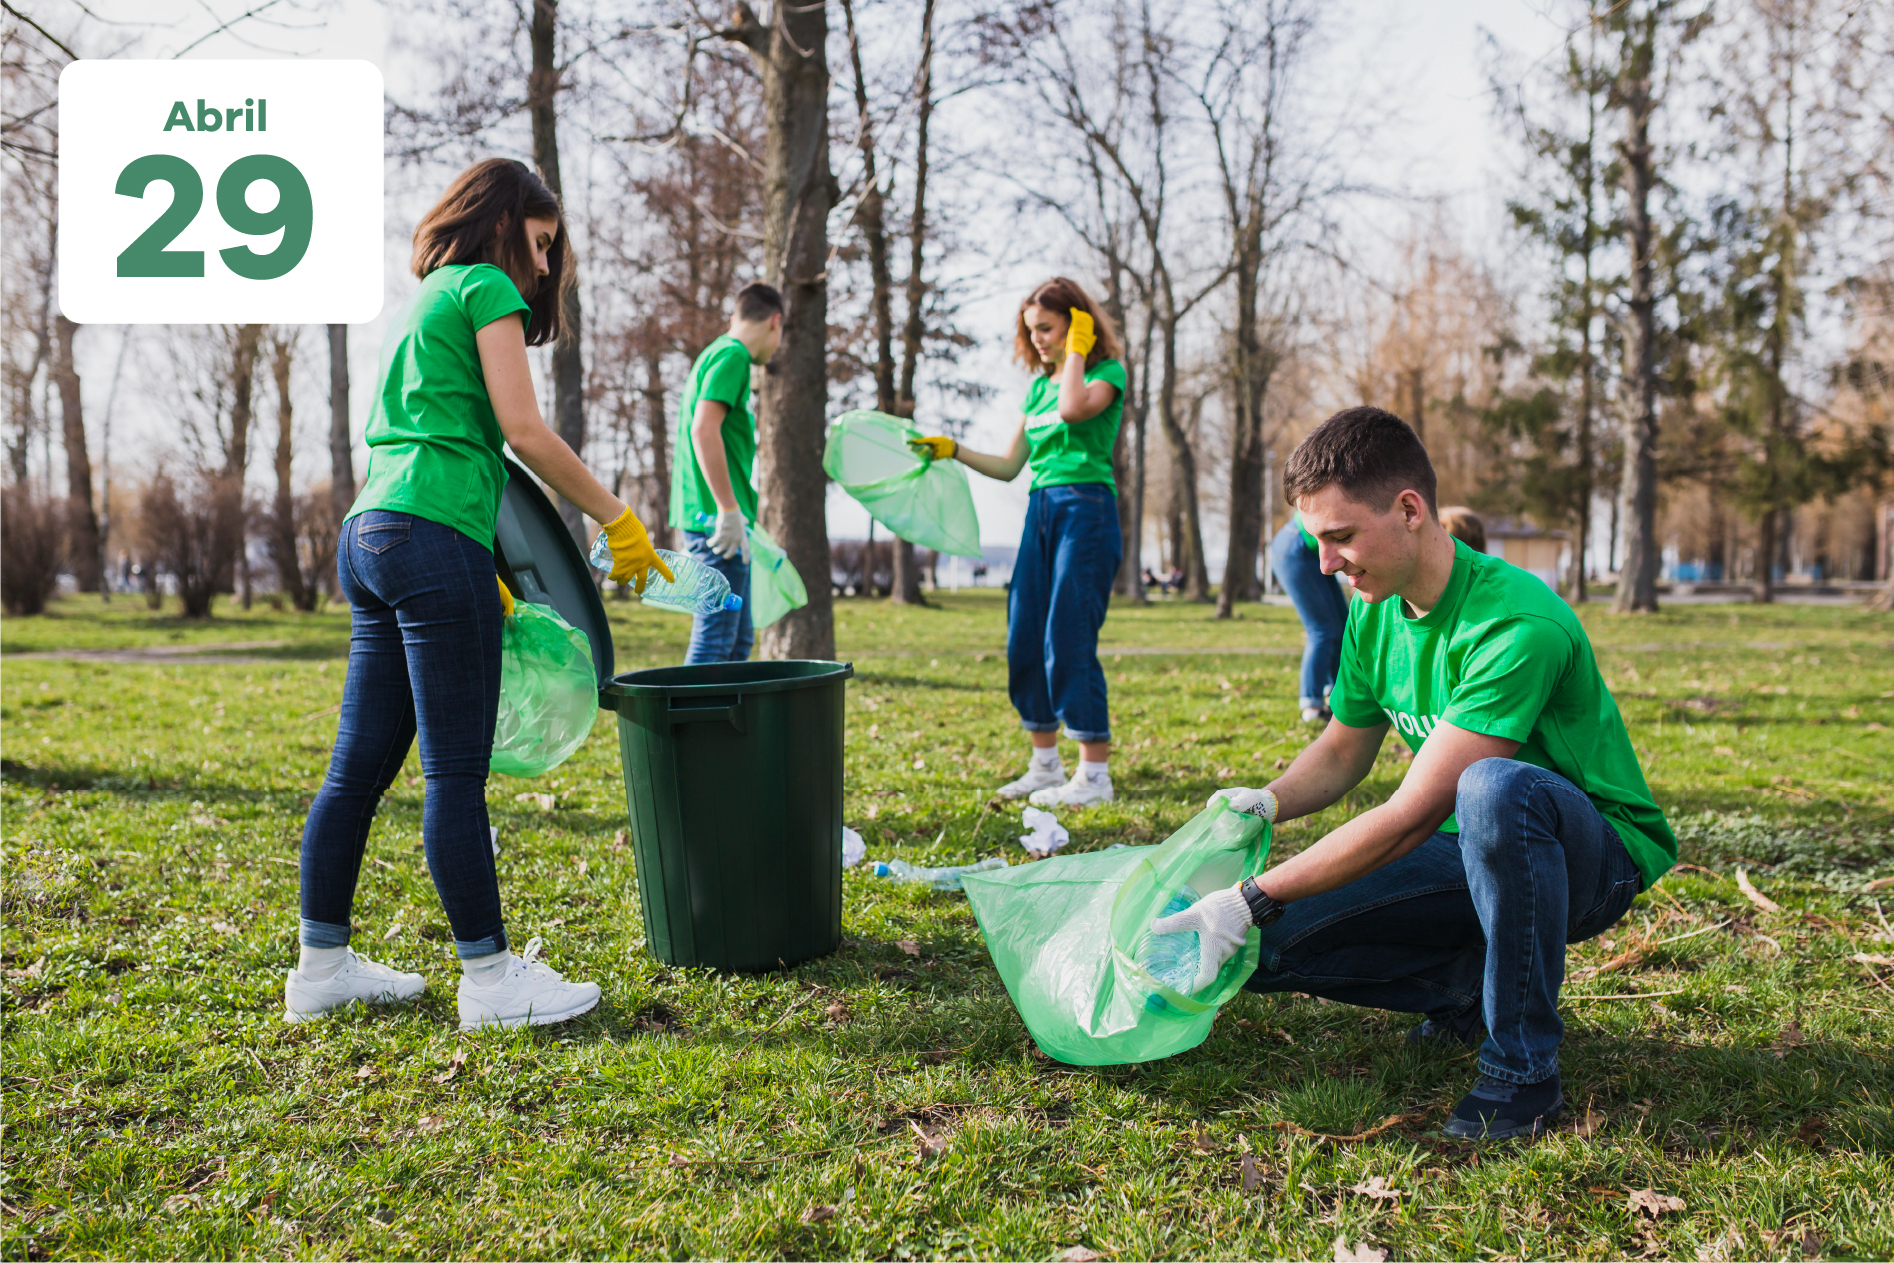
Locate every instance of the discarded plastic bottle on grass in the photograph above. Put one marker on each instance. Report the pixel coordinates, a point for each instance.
(1172, 959)
(939, 878)
(698, 590)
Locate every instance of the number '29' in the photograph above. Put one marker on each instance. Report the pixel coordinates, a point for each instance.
(294, 213)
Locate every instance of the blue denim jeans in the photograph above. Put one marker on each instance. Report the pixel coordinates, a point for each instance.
(424, 656)
(1481, 917)
(727, 635)
(1320, 603)
(1068, 558)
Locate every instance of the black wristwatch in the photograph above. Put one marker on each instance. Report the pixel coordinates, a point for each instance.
(1263, 909)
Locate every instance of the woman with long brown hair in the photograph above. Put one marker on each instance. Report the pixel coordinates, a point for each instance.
(1071, 547)
(415, 560)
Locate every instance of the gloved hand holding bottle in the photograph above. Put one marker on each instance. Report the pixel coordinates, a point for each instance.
(633, 557)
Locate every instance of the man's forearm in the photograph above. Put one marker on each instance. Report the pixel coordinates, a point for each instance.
(1374, 838)
(1328, 767)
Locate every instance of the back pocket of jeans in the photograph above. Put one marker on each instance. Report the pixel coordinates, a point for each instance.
(379, 537)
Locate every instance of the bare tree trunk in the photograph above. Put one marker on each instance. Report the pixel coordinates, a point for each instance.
(1183, 472)
(341, 461)
(1637, 581)
(798, 190)
(82, 529)
(283, 550)
(657, 417)
(568, 364)
(1249, 384)
(233, 547)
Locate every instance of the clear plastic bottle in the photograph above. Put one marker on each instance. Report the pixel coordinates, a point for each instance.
(1172, 959)
(939, 878)
(698, 590)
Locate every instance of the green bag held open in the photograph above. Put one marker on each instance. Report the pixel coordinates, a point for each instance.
(1071, 937)
(922, 500)
(775, 586)
(548, 691)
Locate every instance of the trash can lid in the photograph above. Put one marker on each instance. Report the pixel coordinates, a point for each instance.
(773, 676)
(539, 562)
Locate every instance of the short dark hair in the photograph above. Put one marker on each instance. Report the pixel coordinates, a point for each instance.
(1370, 453)
(465, 227)
(757, 301)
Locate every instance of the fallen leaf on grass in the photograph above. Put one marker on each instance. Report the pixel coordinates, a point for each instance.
(1377, 1188)
(838, 1012)
(1252, 1174)
(933, 1142)
(431, 1124)
(1360, 1252)
(454, 1064)
(1654, 1203)
(1881, 883)
(1867, 958)
(619, 840)
(366, 1071)
(1791, 1037)
(1754, 895)
(178, 1202)
(1079, 1254)
(1589, 1123)
(1810, 1132)
(909, 946)
(546, 801)
(817, 1214)
(1200, 1141)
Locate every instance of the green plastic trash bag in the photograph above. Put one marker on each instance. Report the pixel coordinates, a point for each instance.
(548, 691)
(1071, 937)
(924, 501)
(775, 586)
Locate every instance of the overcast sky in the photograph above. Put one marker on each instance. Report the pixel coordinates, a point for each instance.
(1423, 58)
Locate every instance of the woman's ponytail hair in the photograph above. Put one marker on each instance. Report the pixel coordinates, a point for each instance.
(1062, 294)
(465, 226)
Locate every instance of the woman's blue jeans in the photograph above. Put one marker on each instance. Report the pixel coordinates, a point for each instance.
(1068, 559)
(727, 635)
(1321, 604)
(1480, 917)
(424, 656)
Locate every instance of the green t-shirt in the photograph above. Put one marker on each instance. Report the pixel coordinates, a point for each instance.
(1501, 654)
(1063, 454)
(433, 441)
(720, 375)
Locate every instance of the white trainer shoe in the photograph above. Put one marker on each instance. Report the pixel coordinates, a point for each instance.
(527, 994)
(359, 979)
(1080, 791)
(1036, 778)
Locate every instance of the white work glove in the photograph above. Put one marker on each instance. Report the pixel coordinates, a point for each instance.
(1222, 922)
(1257, 802)
(731, 536)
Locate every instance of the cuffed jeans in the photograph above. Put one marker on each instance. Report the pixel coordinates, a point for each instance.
(424, 656)
(1320, 603)
(1481, 917)
(727, 635)
(1061, 591)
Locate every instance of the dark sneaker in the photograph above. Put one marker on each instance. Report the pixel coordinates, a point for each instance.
(1497, 1110)
(1462, 1029)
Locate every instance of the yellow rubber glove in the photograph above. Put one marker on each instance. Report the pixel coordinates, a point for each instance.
(633, 557)
(506, 598)
(1083, 335)
(935, 447)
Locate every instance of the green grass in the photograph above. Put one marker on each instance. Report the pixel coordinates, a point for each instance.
(156, 1106)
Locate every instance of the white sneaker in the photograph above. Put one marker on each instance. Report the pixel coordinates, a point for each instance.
(527, 994)
(357, 979)
(1080, 791)
(1036, 778)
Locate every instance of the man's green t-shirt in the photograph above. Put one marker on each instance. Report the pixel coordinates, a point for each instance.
(433, 441)
(1062, 453)
(1308, 536)
(1501, 654)
(720, 375)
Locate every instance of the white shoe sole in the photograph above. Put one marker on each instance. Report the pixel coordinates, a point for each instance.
(293, 1016)
(533, 1018)
(1009, 789)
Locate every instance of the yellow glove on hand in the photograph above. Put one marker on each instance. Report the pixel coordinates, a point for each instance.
(1083, 335)
(935, 447)
(633, 557)
(506, 598)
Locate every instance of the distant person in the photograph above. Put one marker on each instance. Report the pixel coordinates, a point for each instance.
(1174, 580)
(1148, 579)
(1295, 557)
(1071, 546)
(713, 500)
(414, 561)
(1464, 525)
(1523, 824)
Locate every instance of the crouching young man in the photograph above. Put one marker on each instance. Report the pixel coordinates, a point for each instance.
(1524, 822)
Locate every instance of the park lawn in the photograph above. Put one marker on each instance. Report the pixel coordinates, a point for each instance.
(155, 1105)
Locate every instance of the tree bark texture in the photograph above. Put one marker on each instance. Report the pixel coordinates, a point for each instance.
(1183, 468)
(283, 551)
(1250, 372)
(341, 457)
(1637, 580)
(568, 364)
(232, 552)
(798, 190)
(906, 570)
(82, 522)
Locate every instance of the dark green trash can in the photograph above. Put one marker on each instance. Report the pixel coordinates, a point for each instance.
(733, 781)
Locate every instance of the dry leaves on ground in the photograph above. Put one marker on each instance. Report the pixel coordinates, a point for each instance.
(1079, 1254)
(1376, 1186)
(1252, 1174)
(546, 802)
(909, 946)
(1360, 1252)
(366, 1071)
(1654, 1203)
(817, 1214)
(1754, 895)
(1589, 1122)
(1791, 1037)
(454, 1064)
